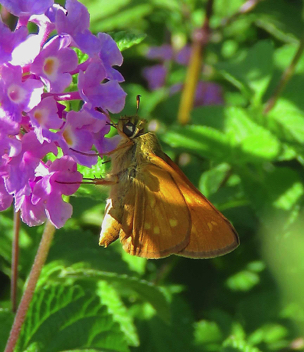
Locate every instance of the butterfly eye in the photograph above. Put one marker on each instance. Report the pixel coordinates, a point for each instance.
(128, 129)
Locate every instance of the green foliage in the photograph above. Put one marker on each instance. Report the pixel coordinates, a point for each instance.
(75, 317)
(250, 74)
(248, 163)
(126, 40)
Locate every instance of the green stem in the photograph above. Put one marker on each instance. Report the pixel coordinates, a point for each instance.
(39, 261)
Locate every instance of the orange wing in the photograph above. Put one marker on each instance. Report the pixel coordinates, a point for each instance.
(156, 221)
(211, 233)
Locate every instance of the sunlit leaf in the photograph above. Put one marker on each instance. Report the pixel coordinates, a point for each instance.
(65, 318)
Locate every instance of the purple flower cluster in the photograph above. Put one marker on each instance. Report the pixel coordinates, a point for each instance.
(207, 93)
(37, 72)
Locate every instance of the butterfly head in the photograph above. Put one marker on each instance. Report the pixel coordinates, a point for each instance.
(131, 126)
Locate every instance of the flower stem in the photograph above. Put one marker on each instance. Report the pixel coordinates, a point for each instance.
(287, 74)
(39, 261)
(200, 40)
(248, 6)
(15, 254)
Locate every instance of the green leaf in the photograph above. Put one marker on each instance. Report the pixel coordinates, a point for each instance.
(268, 333)
(222, 8)
(234, 345)
(290, 119)
(244, 280)
(279, 189)
(207, 334)
(143, 289)
(28, 242)
(96, 171)
(77, 247)
(136, 264)
(126, 40)
(94, 192)
(6, 322)
(237, 341)
(280, 18)
(111, 299)
(119, 14)
(82, 57)
(211, 180)
(282, 57)
(212, 116)
(249, 140)
(6, 237)
(65, 318)
(204, 141)
(254, 141)
(251, 74)
(177, 336)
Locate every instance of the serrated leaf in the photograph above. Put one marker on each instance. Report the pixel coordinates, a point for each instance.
(65, 318)
(144, 289)
(96, 171)
(290, 119)
(251, 141)
(111, 299)
(126, 40)
(255, 141)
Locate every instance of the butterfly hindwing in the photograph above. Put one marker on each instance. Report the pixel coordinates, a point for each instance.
(111, 226)
(156, 221)
(211, 233)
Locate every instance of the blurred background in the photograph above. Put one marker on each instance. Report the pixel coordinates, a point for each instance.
(245, 155)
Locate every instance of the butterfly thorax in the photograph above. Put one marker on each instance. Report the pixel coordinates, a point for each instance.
(126, 161)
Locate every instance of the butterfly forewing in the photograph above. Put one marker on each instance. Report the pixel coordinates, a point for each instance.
(211, 233)
(160, 217)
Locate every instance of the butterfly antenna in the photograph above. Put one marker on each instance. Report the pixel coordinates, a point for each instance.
(137, 102)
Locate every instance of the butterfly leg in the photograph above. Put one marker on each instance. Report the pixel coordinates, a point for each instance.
(129, 143)
(106, 182)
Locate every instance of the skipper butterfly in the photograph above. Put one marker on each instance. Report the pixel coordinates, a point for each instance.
(153, 208)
